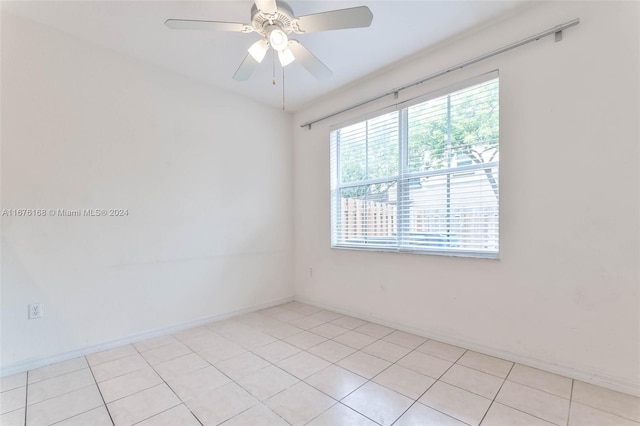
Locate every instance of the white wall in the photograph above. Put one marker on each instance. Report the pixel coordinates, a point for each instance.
(205, 175)
(565, 293)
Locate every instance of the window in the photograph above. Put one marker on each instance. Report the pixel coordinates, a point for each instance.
(422, 178)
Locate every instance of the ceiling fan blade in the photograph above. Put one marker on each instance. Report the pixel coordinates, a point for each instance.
(267, 6)
(309, 61)
(355, 17)
(187, 24)
(246, 68)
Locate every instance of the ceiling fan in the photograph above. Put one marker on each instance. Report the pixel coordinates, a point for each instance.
(274, 21)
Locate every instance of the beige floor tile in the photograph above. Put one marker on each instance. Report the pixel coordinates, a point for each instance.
(180, 365)
(421, 415)
(176, 416)
(457, 403)
(258, 415)
(306, 323)
(218, 405)
(118, 367)
(96, 417)
(280, 330)
(165, 353)
(299, 404)
(13, 381)
(13, 418)
(407, 340)
(331, 351)
(254, 319)
(355, 340)
(441, 350)
(374, 330)
(305, 340)
(617, 403)
(336, 381)
(501, 415)
(303, 364)
(64, 406)
(65, 393)
(348, 322)
(259, 337)
(485, 363)
(129, 384)
(259, 321)
(215, 354)
(425, 364)
(475, 381)
(301, 308)
(252, 340)
(242, 365)
(532, 401)
(195, 383)
(59, 385)
(326, 316)
(386, 350)
(378, 403)
(291, 305)
(193, 333)
(273, 311)
(541, 380)
(341, 415)
(582, 415)
(228, 326)
(142, 405)
(328, 330)
(57, 369)
(204, 341)
(13, 399)
(287, 315)
(155, 342)
(111, 354)
(267, 382)
(364, 364)
(276, 351)
(404, 381)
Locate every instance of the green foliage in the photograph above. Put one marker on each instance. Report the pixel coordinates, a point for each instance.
(442, 133)
(436, 140)
(370, 151)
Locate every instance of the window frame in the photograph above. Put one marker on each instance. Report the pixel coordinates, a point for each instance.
(404, 174)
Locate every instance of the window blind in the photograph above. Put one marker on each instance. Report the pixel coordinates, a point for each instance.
(422, 179)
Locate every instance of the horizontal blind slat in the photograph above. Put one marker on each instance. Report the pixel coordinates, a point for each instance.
(450, 201)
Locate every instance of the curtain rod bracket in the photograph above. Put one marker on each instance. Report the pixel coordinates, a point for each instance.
(395, 95)
(558, 36)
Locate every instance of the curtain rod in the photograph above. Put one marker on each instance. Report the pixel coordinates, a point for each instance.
(557, 30)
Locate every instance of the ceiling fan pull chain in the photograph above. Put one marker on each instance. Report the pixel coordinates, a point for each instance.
(283, 88)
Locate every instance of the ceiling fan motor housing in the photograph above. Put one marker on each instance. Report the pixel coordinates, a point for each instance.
(283, 18)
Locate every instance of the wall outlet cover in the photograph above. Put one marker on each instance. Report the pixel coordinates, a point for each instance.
(35, 310)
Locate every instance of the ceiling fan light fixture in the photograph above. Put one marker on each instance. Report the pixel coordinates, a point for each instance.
(278, 39)
(258, 50)
(275, 22)
(286, 56)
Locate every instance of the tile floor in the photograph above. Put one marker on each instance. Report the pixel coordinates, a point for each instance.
(296, 364)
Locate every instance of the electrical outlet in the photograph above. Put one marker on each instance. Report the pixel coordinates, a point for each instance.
(35, 310)
(310, 272)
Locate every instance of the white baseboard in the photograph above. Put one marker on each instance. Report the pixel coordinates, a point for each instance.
(41, 362)
(619, 384)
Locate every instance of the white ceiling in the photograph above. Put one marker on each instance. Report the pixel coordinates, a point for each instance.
(399, 29)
